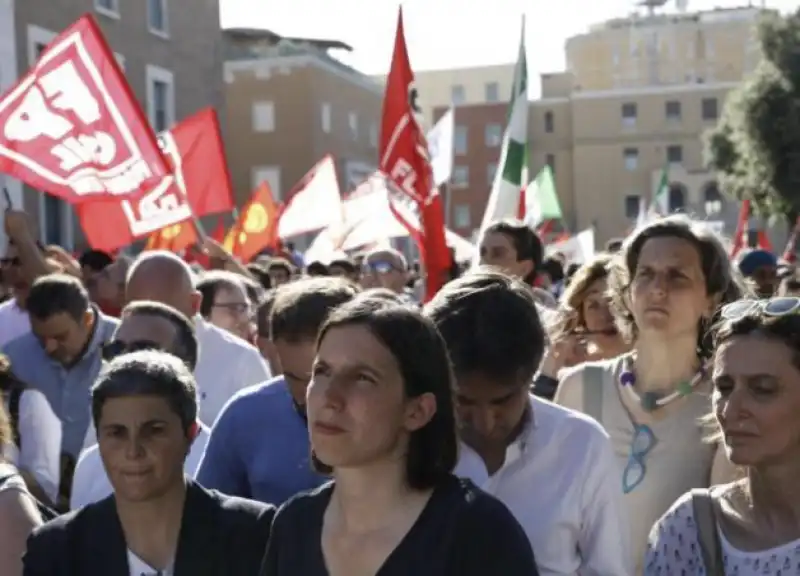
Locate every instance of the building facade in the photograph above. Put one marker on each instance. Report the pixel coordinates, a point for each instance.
(289, 103)
(172, 58)
(608, 141)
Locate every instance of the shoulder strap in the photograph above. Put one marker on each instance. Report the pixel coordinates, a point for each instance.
(706, 522)
(14, 396)
(593, 392)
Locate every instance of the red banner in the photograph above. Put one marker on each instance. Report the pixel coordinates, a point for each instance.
(72, 127)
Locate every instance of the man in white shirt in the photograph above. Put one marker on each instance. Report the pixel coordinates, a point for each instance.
(14, 320)
(226, 363)
(144, 325)
(554, 468)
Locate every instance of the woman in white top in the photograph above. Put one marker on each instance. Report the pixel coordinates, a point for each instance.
(18, 512)
(665, 285)
(34, 445)
(754, 523)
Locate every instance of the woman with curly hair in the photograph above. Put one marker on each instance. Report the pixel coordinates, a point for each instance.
(666, 286)
(584, 328)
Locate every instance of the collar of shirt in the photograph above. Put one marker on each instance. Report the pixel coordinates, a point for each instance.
(517, 449)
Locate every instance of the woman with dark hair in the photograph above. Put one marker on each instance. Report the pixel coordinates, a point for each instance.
(382, 423)
(751, 526)
(665, 288)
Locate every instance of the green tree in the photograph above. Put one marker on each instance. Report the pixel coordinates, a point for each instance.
(755, 147)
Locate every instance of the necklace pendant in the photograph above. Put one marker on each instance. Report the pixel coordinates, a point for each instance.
(684, 388)
(649, 401)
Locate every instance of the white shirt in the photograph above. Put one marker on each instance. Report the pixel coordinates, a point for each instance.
(138, 567)
(14, 322)
(226, 364)
(91, 484)
(40, 437)
(560, 480)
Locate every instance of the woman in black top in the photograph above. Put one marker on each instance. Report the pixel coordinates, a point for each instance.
(381, 420)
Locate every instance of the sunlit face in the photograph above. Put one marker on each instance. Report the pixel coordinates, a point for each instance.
(143, 446)
(278, 276)
(491, 413)
(358, 412)
(62, 336)
(109, 283)
(597, 317)
(497, 250)
(232, 311)
(384, 270)
(296, 360)
(13, 276)
(757, 399)
(668, 290)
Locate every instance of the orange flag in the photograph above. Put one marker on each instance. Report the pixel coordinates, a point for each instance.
(257, 226)
(175, 238)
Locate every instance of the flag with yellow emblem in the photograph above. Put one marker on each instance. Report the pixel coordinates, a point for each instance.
(257, 226)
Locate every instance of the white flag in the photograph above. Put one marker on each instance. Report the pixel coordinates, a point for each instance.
(440, 148)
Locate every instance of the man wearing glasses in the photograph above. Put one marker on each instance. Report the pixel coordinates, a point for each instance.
(387, 268)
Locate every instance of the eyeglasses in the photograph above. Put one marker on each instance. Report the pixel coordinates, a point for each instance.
(117, 348)
(381, 267)
(772, 308)
(236, 308)
(15, 261)
(643, 442)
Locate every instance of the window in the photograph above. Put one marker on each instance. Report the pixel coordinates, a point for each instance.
(674, 154)
(462, 217)
(709, 109)
(633, 203)
(107, 7)
(263, 117)
(326, 117)
(269, 174)
(712, 199)
(460, 140)
(373, 135)
(492, 90)
(631, 159)
(352, 122)
(550, 160)
(629, 114)
(493, 135)
(55, 216)
(491, 172)
(677, 198)
(460, 177)
(38, 39)
(157, 19)
(457, 94)
(672, 110)
(548, 122)
(160, 98)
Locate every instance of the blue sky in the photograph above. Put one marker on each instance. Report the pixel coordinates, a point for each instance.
(444, 33)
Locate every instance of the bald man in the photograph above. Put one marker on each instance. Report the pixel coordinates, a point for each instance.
(386, 268)
(226, 363)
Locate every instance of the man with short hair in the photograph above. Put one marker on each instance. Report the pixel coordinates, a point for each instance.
(259, 445)
(145, 326)
(386, 268)
(280, 271)
(225, 302)
(226, 363)
(554, 468)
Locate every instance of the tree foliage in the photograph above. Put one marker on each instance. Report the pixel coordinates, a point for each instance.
(755, 147)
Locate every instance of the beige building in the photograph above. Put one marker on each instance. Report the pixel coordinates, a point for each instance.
(462, 87)
(172, 58)
(611, 124)
(288, 104)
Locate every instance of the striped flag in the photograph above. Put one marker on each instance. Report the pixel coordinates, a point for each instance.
(512, 170)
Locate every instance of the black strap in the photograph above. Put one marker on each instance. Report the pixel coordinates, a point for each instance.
(14, 396)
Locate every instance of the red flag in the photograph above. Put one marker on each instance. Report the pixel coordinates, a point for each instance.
(404, 160)
(257, 226)
(199, 186)
(72, 127)
(175, 238)
(739, 241)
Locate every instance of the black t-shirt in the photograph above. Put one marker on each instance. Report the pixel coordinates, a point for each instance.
(462, 531)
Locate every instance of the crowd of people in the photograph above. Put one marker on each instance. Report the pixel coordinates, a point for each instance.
(632, 414)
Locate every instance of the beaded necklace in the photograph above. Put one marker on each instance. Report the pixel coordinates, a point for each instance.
(651, 401)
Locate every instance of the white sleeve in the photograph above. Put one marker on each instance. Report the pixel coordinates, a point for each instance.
(90, 482)
(604, 541)
(254, 369)
(40, 439)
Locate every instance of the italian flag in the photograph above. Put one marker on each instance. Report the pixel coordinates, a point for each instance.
(660, 204)
(512, 169)
(541, 199)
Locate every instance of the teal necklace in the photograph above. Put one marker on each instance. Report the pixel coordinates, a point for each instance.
(651, 401)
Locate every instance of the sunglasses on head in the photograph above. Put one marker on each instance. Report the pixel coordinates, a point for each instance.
(117, 348)
(771, 308)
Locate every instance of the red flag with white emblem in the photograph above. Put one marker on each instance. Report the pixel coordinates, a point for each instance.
(404, 160)
(72, 127)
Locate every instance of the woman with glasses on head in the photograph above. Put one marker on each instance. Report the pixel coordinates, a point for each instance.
(751, 526)
(583, 328)
(665, 285)
(382, 423)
